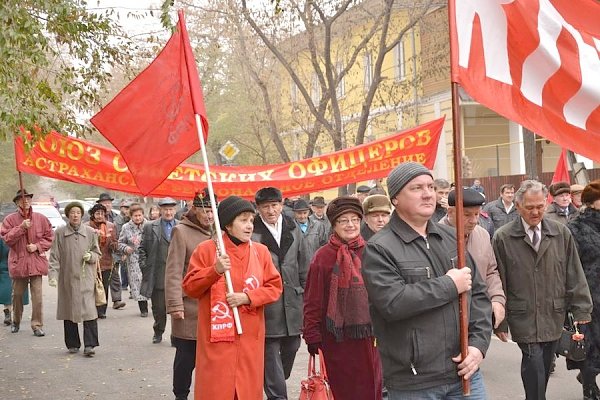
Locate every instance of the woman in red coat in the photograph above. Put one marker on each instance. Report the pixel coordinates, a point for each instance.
(336, 308)
(231, 366)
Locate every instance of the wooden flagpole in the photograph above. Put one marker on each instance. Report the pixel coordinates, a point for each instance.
(213, 206)
(460, 228)
(457, 146)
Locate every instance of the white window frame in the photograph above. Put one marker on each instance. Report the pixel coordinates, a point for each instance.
(400, 61)
(340, 89)
(368, 70)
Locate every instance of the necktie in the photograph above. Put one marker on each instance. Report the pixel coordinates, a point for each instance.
(535, 238)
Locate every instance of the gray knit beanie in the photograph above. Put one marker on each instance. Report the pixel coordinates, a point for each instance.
(403, 174)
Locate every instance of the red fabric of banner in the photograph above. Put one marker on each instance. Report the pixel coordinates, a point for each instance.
(151, 121)
(81, 161)
(535, 62)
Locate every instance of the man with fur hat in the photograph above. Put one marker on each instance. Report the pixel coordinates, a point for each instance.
(377, 209)
(107, 241)
(29, 236)
(195, 227)
(283, 318)
(153, 251)
(413, 291)
(561, 210)
(479, 246)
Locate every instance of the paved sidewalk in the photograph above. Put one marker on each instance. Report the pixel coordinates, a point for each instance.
(126, 365)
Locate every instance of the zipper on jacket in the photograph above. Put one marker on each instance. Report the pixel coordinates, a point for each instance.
(413, 339)
(428, 272)
(426, 242)
(412, 368)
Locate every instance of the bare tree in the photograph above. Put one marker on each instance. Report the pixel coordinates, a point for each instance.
(323, 30)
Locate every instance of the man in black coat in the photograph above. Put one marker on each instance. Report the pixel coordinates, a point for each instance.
(283, 319)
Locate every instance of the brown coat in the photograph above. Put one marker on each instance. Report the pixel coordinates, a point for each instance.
(480, 248)
(110, 244)
(186, 236)
(226, 368)
(76, 300)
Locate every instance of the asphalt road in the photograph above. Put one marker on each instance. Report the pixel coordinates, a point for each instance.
(128, 366)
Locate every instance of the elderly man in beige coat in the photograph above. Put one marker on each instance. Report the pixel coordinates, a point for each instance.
(478, 245)
(194, 228)
(73, 262)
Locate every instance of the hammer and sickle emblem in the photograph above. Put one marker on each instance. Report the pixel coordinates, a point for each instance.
(220, 311)
(250, 283)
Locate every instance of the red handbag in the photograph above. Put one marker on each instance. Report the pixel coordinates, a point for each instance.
(316, 386)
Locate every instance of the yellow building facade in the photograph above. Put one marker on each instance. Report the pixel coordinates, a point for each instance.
(414, 88)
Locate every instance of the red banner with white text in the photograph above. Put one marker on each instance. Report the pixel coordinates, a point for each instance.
(81, 161)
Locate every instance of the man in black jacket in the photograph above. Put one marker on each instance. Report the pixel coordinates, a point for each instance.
(413, 291)
(283, 319)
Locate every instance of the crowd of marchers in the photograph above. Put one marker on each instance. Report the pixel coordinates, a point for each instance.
(367, 281)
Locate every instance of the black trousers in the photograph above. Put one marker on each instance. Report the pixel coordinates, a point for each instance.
(280, 354)
(535, 368)
(183, 366)
(90, 334)
(112, 281)
(159, 311)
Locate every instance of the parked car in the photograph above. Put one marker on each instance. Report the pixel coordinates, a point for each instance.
(63, 203)
(50, 212)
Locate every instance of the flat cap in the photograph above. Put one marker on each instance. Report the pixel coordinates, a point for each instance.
(471, 198)
(167, 201)
(576, 188)
(363, 189)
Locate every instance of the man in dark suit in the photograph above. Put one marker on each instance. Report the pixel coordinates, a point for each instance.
(153, 257)
(283, 319)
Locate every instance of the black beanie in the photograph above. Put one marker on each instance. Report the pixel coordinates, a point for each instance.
(231, 207)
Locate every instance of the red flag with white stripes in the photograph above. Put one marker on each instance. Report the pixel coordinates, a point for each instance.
(536, 62)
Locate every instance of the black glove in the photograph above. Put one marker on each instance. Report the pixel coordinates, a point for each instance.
(313, 348)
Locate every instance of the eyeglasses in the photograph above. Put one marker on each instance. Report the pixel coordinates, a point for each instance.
(346, 221)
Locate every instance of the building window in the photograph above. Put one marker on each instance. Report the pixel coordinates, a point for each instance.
(294, 94)
(400, 62)
(315, 92)
(368, 68)
(341, 86)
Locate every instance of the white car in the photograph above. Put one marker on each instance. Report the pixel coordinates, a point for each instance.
(50, 212)
(63, 203)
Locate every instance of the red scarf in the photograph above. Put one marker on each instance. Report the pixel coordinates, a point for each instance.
(243, 257)
(348, 306)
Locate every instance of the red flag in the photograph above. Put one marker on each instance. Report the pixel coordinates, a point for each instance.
(561, 172)
(151, 121)
(535, 62)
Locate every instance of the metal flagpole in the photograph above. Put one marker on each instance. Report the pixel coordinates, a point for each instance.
(213, 206)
